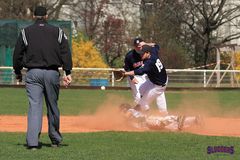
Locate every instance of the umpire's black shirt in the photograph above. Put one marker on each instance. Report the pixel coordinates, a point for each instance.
(42, 45)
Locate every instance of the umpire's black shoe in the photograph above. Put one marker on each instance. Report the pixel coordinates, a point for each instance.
(33, 148)
(39, 146)
(56, 145)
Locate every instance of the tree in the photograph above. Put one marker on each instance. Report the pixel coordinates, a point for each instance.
(112, 40)
(22, 9)
(159, 25)
(202, 19)
(89, 13)
(98, 26)
(85, 55)
(16, 9)
(105, 29)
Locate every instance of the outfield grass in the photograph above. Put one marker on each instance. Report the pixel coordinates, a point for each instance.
(71, 102)
(120, 145)
(76, 101)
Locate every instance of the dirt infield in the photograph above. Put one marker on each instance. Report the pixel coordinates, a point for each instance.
(214, 126)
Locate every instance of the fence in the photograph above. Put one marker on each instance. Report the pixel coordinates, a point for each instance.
(177, 77)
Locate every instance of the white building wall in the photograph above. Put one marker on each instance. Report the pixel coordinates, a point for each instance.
(231, 27)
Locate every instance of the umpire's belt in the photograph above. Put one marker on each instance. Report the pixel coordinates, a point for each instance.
(47, 68)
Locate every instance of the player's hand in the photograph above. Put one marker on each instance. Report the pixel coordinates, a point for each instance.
(135, 81)
(67, 80)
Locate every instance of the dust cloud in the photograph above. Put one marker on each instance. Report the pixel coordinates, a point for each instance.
(107, 117)
(216, 122)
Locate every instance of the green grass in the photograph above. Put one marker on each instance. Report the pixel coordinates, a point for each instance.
(120, 146)
(76, 101)
(71, 102)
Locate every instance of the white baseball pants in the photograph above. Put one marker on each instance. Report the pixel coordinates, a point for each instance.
(150, 92)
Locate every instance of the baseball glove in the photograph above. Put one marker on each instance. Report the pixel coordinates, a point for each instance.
(118, 75)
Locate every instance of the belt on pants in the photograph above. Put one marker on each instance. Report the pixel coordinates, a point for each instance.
(162, 85)
(47, 68)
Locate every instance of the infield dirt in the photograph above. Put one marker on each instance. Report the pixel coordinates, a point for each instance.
(111, 120)
(108, 118)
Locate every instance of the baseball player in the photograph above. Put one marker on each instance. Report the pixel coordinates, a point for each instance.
(134, 61)
(155, 84)
(141, 120)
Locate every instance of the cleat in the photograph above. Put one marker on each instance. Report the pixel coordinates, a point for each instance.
(180, 121)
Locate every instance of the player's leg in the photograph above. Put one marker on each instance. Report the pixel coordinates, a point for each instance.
(135, 87)
(193, 120)
(152, 91)
(162, 122)
(34, 88)
(161, 104)
(52, 84)
(145, 100)
(134, 118)
(135, 91)
(189, 121)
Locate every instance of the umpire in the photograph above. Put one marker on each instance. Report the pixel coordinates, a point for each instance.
(42, 49)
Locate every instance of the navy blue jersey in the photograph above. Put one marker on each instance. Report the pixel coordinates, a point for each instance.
(132, 61)
(154, 68)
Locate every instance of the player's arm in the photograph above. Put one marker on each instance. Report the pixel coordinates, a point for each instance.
(145, 43)
(139, 71)
(129, 73)
(156, 47)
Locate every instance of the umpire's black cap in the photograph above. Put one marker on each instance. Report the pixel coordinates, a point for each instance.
(145, 48)
(40, 11)
(136, 41)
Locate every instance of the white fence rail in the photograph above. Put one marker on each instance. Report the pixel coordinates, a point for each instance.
(177, 77)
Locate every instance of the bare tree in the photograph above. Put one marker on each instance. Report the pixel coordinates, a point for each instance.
(160, 26)
(89, 13)
(201, 19)
(22, 9)
(103, 27)
(54, 7)
(113, 40)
